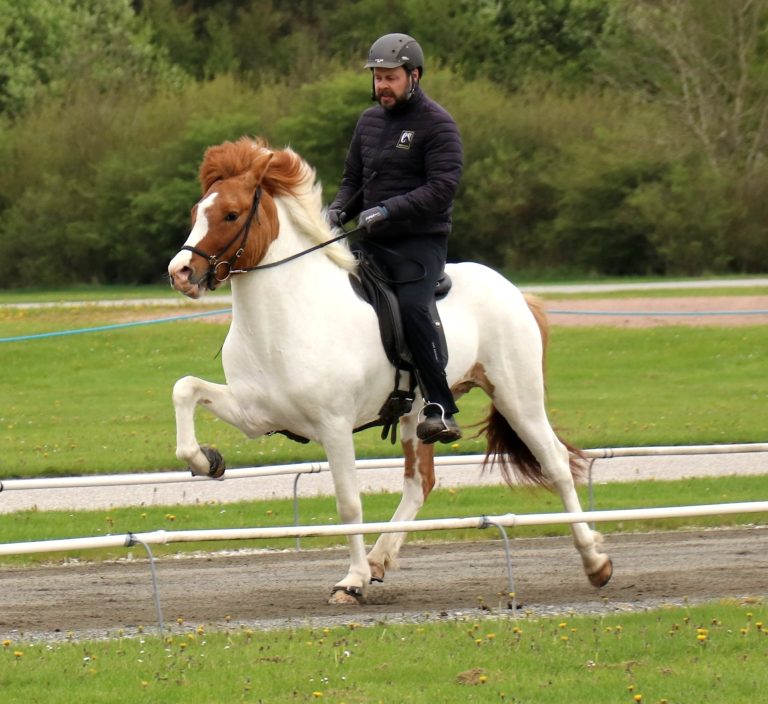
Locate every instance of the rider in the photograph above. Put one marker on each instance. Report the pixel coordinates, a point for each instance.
(400, 176)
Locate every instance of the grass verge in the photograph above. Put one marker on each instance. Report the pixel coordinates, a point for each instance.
(714, 653)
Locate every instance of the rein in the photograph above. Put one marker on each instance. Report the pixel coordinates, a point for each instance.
(215, 261)
(344, 234)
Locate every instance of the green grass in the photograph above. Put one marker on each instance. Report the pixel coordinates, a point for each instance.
(464, 502)
(100, 402)
(707, 654)
(85, 293)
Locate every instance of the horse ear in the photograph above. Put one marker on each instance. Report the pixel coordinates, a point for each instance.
(260, 165)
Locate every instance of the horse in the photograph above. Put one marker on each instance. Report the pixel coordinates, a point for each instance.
(304, 356)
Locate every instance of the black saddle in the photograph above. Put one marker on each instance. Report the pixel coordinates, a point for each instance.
(372, 286)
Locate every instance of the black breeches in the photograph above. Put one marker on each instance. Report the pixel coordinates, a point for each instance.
(414, 265)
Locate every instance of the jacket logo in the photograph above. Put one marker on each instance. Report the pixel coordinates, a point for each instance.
(406, 138)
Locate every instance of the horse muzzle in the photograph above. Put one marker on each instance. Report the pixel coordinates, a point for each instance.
(186, 281)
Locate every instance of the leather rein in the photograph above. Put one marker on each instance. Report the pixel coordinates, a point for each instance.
(216, 261)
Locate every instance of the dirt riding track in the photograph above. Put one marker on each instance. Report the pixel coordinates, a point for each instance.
(268, 589)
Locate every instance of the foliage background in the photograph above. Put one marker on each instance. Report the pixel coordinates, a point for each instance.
(601, 136)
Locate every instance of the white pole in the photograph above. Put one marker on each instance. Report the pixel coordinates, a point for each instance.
(315, 467)
(507, 520)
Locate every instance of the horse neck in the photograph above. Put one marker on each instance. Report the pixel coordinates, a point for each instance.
(308, 282)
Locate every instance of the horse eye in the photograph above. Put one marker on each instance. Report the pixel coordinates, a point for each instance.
(231, 217)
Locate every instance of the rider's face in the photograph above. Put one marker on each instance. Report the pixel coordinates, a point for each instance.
(391, 86)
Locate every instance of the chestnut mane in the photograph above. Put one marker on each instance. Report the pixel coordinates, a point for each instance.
(285, 176)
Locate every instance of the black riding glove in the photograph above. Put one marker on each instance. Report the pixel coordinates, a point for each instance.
(372, 216)
(336, 217)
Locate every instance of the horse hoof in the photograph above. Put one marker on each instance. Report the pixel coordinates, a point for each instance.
(215, 461)
(377, 572)
(346, 595)
(603, 575)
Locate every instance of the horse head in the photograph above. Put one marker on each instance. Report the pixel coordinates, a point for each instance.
(235, 221)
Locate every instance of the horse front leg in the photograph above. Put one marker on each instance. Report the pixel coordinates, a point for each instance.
(188, 393)
(340, 450)
(418, 482)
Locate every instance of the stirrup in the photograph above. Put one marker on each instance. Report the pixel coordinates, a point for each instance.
(437, 429)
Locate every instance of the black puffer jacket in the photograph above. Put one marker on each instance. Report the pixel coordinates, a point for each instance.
(410, 160)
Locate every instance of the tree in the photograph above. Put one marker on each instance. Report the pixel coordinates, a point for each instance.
(51, 46)
(708, 61)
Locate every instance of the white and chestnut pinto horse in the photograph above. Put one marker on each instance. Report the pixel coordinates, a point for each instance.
(304, 354)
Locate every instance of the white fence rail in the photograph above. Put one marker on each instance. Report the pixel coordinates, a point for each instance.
(507, 520)
(316, 467)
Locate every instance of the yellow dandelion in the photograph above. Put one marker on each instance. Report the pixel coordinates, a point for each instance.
(701, 637)
(6, 643)
(317, 695)
(18, 654)
(638, 697)
(564, 639)
(491, 636)
(562, 625)
(478, 641)
(200, 630)
(743, 631)
(182, 646)
(759, 625)
(482, 679)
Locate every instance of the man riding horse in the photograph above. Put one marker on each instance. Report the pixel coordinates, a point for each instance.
(400, 176)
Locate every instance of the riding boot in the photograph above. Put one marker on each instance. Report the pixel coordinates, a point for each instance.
(437, 426)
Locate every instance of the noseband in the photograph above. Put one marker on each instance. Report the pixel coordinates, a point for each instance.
(219, 270)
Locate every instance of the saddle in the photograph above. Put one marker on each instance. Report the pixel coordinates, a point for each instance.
(372, 286)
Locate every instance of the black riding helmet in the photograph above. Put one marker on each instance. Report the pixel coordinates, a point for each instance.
(393, 50)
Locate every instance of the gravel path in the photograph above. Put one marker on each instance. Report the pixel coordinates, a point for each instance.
(264, 590)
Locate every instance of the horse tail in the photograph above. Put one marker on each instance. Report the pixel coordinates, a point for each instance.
(505, 448)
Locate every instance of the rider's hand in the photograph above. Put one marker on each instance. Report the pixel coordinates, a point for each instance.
(336, 217)
(369, 218)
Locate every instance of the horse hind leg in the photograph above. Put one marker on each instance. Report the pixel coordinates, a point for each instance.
(540, 457)
(418, 482)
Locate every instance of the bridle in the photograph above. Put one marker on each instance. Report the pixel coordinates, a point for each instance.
(215, 261)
